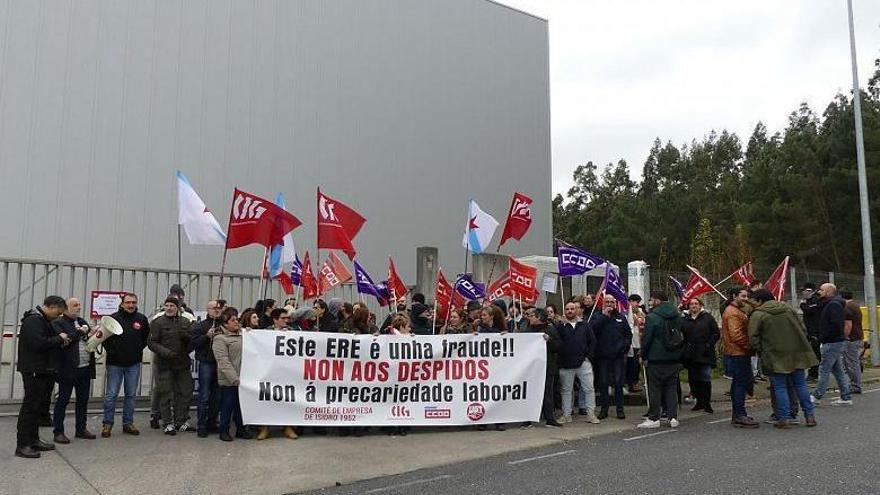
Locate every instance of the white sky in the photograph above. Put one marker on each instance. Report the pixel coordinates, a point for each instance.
(625, 72)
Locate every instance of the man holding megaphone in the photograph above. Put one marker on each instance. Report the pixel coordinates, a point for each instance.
(75, 370)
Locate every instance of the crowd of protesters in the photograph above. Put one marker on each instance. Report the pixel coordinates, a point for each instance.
(597, 352)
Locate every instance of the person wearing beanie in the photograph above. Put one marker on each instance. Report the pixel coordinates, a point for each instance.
(420, 317)
(169, 340)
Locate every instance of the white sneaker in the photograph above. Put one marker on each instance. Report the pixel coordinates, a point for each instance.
(673, 423)
(649, 424)
(591, 417)
(184, 427)
(564, 419)
(841, 402)
(170, 429)
(815, 401)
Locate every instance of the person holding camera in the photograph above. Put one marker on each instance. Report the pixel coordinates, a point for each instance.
(75, 367)
(37, 342)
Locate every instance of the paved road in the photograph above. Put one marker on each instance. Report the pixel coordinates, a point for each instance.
(705, 455)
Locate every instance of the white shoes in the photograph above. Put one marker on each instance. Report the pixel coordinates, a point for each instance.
(649, 424)
(564, 419)
(591, 417)
(841, 402)
(673, 423)
(815, 401)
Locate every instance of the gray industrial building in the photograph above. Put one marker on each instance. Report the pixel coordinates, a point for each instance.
(403, 109)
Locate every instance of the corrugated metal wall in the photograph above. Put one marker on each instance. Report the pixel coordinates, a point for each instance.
(401, 108)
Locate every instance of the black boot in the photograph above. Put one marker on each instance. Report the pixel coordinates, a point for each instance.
(603, 413)
(707, 398)
(697, 394)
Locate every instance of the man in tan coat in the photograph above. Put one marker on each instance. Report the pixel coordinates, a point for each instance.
(735, 335)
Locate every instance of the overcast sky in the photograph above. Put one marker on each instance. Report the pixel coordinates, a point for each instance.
(623, 73)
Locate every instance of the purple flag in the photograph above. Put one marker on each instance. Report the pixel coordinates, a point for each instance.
(469, 289)
(679, 289)
(614, 286)
(366, 286)
(296, 272)
(574, 261)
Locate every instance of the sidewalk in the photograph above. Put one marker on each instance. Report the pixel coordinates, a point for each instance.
(185, 464)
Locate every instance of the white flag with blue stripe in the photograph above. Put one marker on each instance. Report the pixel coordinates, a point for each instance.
(198, 222)
(479, 230)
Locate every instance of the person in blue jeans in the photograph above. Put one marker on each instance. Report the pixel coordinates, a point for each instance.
(202, 336)
(832, 321)
(735, 334)
(778, 336)
(124, 354)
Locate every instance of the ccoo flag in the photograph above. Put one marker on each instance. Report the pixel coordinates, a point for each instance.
(365, 285)
(198, 222)
(479, 230)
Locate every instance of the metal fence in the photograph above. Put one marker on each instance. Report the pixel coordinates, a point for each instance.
(25, 283)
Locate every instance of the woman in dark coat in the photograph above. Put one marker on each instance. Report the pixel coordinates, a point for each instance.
(700, 331)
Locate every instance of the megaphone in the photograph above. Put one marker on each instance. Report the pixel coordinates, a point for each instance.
(107, 328)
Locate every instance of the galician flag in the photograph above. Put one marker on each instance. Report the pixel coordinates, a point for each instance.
(479, 229)
(198, 222)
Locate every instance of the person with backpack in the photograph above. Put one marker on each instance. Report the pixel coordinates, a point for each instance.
(661, 350)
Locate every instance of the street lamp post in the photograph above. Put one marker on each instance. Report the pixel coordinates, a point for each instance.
(867, 249)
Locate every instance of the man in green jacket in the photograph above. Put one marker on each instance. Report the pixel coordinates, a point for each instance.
(779, 338)
(169, 340)
(663, 358)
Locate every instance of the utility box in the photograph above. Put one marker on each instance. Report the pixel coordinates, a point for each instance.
(638, 281)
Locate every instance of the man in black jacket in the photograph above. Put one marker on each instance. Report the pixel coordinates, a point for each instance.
(538, 321)
(75, 371)
(832, 322)
(202, 335)
(811, 312)
(36, 343)
(124, 355)
(578, 346)
(613, 338)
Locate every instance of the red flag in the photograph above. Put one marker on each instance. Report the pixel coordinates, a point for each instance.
(697, 286)
(254, 220)
(337, 225)
(523, 279)
(307, 280)
(745, 274)
(499, 288)
(396, 287)
(286, 283)
(519, 218)
(776, 281)
(333, 273)
(443, 296)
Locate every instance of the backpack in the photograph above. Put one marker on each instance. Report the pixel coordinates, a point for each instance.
(673, 338)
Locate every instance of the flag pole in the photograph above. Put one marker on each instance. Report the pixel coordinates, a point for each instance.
(179, 257)
(562, 291)
(262, 278)
(725, 279)
(434, 323)
(222, 271)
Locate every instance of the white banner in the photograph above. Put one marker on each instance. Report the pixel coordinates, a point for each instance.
(332, 379)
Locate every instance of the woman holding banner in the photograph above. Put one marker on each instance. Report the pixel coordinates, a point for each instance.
(492, 320)
(227, 352)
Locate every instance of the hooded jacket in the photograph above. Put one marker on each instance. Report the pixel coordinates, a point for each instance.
(700, 336)
(654, 349)
(577, 344)
(127, 349)
(613, 335)
(169, 340)
(779, 337)
(36, 340)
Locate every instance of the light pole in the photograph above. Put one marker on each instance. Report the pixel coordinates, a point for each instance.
(867, 249)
